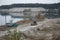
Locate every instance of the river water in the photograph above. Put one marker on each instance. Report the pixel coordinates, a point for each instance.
(6, 19)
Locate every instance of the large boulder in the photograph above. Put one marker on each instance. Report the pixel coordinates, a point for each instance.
(50, 30)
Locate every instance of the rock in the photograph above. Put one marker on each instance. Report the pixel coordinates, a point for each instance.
(50, 30)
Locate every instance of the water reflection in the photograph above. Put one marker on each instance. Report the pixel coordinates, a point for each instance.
(8, 19)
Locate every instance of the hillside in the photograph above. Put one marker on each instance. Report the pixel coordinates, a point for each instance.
(47, 6)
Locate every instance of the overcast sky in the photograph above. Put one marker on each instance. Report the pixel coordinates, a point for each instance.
(7, 2)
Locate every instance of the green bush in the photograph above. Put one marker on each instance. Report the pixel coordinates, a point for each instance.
(15, 25)
(14, 35)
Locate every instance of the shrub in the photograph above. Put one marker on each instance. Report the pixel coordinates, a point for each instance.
(13, 35)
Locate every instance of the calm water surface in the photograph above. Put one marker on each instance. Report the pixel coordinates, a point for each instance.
(8, 19)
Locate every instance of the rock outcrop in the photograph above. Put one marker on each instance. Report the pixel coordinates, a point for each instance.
(50, 30)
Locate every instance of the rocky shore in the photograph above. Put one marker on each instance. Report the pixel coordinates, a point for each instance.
(48, 29)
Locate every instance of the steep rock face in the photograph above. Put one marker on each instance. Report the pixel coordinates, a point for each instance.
(50, 30)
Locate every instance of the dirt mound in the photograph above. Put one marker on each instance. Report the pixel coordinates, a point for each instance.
(3, 27)
(24, 21)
